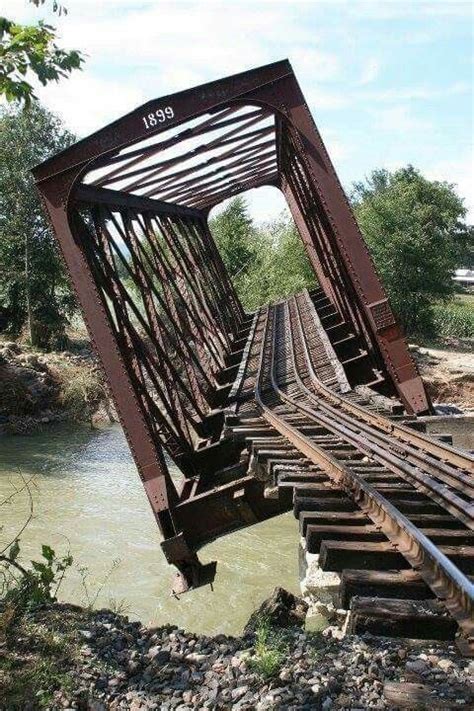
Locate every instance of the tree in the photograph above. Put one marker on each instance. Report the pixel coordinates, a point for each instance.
(34, 289)
(235, 235)
(27, 50)
(414, 229)
(267, 262)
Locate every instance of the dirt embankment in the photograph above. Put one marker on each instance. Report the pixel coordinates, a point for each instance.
(39, 388)
(448, 374)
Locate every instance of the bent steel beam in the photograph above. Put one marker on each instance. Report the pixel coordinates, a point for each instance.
(129, 206)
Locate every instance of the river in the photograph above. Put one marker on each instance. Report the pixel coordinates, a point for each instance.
(88, 497)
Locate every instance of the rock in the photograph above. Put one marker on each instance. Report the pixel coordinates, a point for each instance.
(416, 667)
(281, 609)
(195, 658)
(445, 664)
(239, 692)
(95, 705)
(159, 655)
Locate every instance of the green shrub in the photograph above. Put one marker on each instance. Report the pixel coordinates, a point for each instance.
(38, 585)
(269, 650)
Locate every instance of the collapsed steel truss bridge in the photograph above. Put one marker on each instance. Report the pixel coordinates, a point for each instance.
(264, 411)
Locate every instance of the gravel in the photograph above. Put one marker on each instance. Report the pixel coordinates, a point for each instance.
(124, 665)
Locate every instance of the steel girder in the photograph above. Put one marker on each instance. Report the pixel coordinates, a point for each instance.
(129, 206)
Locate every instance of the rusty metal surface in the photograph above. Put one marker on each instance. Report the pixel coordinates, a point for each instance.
(129, 206)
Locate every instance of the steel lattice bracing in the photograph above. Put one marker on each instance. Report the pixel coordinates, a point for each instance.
(130, 204)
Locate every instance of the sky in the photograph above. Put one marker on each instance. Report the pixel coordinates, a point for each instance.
(388, 82)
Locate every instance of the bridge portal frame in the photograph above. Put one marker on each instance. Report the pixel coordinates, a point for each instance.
(333, 241)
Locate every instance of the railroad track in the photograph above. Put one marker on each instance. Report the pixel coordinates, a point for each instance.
(387, 507)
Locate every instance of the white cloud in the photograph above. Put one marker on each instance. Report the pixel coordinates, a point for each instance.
(387, 10)
(370, 72)
(399, 119)
(312, 62)
(86, 102)
(423, 93)
(319, 97)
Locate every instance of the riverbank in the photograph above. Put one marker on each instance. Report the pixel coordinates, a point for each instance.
(67, 657)
(447, 369)
(37, 389)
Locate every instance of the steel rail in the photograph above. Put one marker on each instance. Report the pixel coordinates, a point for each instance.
(404, 433)
(369, 444)
(458, 480)
(441, 575)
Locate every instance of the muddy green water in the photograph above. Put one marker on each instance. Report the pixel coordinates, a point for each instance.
(87, 496)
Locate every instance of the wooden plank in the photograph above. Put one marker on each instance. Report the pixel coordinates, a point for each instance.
(337, 555)
(310, 503)
(431, 520)
(404, 493)
(296, 479)
(449, 537)
(462, 556)
(316, 489)
(419, 507)
(315, 535)
(415, 619)
(409, 695)
(405, 584)
(329, 518)
(376, 477)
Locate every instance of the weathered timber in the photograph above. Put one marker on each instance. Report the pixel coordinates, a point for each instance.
(404, 584)
(315, 535)
(416, 619)
(337, 555)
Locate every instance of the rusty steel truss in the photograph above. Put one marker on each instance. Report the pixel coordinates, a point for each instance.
(129, 206)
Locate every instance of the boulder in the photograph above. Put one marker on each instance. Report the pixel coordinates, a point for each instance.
(281, 609)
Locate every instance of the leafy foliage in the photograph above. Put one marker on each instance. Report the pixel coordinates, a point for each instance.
(455, 319)
(34, 289)
(37, 585)
(266, 263)
(415, 231)
(31, 50)
(236, 235)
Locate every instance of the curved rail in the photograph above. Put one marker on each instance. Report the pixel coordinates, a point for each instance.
(437, 570)
(380, 447)
(444, 451)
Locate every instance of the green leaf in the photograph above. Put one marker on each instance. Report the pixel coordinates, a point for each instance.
(48, 553)
(14, 550)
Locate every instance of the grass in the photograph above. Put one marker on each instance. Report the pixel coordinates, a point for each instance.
(82, 390)
(269, 650)
(35, 662)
